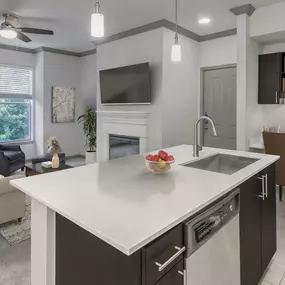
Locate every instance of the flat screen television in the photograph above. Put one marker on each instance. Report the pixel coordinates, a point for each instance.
(126, 85)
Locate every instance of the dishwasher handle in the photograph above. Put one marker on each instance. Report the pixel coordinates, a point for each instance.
(161, 267)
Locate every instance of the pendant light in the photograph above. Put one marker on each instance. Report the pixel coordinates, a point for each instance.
(176, 48)
(97, 22)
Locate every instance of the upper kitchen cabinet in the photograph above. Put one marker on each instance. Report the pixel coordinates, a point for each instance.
(271, 75)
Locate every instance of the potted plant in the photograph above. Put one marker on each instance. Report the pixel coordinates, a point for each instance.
(88, 120)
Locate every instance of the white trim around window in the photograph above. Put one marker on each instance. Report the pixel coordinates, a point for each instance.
(12, 86)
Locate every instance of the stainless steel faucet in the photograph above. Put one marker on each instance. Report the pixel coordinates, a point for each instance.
(196, 146)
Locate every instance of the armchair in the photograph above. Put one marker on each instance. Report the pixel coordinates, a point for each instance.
(12, 158)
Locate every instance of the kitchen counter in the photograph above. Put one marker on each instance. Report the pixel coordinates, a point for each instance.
(123, 204)
(257, 146)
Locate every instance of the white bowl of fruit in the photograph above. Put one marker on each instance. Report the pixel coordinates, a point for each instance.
(159, 163)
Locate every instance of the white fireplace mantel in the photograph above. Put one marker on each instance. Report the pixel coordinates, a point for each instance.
(122, 123)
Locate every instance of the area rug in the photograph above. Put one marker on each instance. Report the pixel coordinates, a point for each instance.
(15, 232)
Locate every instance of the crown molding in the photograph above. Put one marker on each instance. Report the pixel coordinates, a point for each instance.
(88, 52)
(170, 26)
(182, 31)
(58, 51)
(244, 9)
(218, 35)
(132, 32)
(146, 28)
(15, 48)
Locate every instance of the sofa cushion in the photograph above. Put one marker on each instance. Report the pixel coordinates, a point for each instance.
(13, 155)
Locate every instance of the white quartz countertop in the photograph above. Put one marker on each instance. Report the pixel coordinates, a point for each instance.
(258, 145)
(126, 206)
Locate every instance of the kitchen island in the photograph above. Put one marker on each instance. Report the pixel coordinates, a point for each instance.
(94, 224)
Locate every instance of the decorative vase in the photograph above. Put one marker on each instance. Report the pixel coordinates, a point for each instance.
(55, 161)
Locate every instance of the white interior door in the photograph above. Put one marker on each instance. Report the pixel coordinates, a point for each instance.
(220, 103)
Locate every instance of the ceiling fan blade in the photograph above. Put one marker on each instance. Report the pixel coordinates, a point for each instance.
(35, 31)
(23, 37)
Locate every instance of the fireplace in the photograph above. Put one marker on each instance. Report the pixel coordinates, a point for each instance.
(122, 146)
(131, 127)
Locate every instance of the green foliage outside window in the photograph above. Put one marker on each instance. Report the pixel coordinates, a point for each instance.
(14, 119)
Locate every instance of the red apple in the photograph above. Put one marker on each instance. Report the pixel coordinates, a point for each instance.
(163, 155)
(170, 158)
(149, 157)
(155, 158)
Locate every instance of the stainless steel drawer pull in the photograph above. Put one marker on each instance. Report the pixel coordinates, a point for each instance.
(183, 273)
(166, 263)
(263, 188)
(266, 185)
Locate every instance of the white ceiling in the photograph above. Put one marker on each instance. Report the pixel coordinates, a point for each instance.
(70, 19)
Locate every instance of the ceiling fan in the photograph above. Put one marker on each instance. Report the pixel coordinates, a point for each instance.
(11, 31)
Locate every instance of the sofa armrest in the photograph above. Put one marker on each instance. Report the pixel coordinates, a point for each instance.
(3, 163)
(5, 183)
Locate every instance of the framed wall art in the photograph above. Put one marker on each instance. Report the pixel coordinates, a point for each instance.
(63, 105)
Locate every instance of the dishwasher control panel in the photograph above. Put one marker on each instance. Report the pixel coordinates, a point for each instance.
(200, 229)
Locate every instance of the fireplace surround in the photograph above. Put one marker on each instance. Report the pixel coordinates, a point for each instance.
(121, 123)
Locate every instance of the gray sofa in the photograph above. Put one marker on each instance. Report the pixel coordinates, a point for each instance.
(12, 201)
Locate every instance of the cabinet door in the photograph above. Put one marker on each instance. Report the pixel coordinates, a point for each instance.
(250, 232)
(174, 276)
(159, 251)
(270, 69)
(269, 229)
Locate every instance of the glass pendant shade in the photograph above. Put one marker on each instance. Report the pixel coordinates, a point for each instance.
(97, 25)
(176, 53)
(8, 33)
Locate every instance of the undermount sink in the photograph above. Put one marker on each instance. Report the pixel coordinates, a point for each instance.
(222, 163)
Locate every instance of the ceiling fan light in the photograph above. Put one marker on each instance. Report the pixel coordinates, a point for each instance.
(97, 25)
(8, 33)
(176, 53)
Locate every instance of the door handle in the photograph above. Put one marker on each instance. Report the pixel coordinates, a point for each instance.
(161, 267)
(263, 190)
(266, 184)
(184, 274)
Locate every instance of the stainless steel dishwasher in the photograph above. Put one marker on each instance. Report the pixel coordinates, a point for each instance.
(213, 244)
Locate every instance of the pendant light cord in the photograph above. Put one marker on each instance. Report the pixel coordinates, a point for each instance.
(97, 6)
(176, 22)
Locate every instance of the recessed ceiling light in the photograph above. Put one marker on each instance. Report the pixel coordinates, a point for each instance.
(204, 21)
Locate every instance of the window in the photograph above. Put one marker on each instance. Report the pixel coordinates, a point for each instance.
(16, 95)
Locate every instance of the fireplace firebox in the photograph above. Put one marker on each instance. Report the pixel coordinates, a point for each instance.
(122, 146)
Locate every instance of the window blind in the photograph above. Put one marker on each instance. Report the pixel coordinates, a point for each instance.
(14, 80)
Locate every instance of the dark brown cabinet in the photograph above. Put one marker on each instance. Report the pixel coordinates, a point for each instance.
(269, 227)
(159, 252)
(250, 232)
(257, 225)
(82, 258)
(270, 86)
(174, 277)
